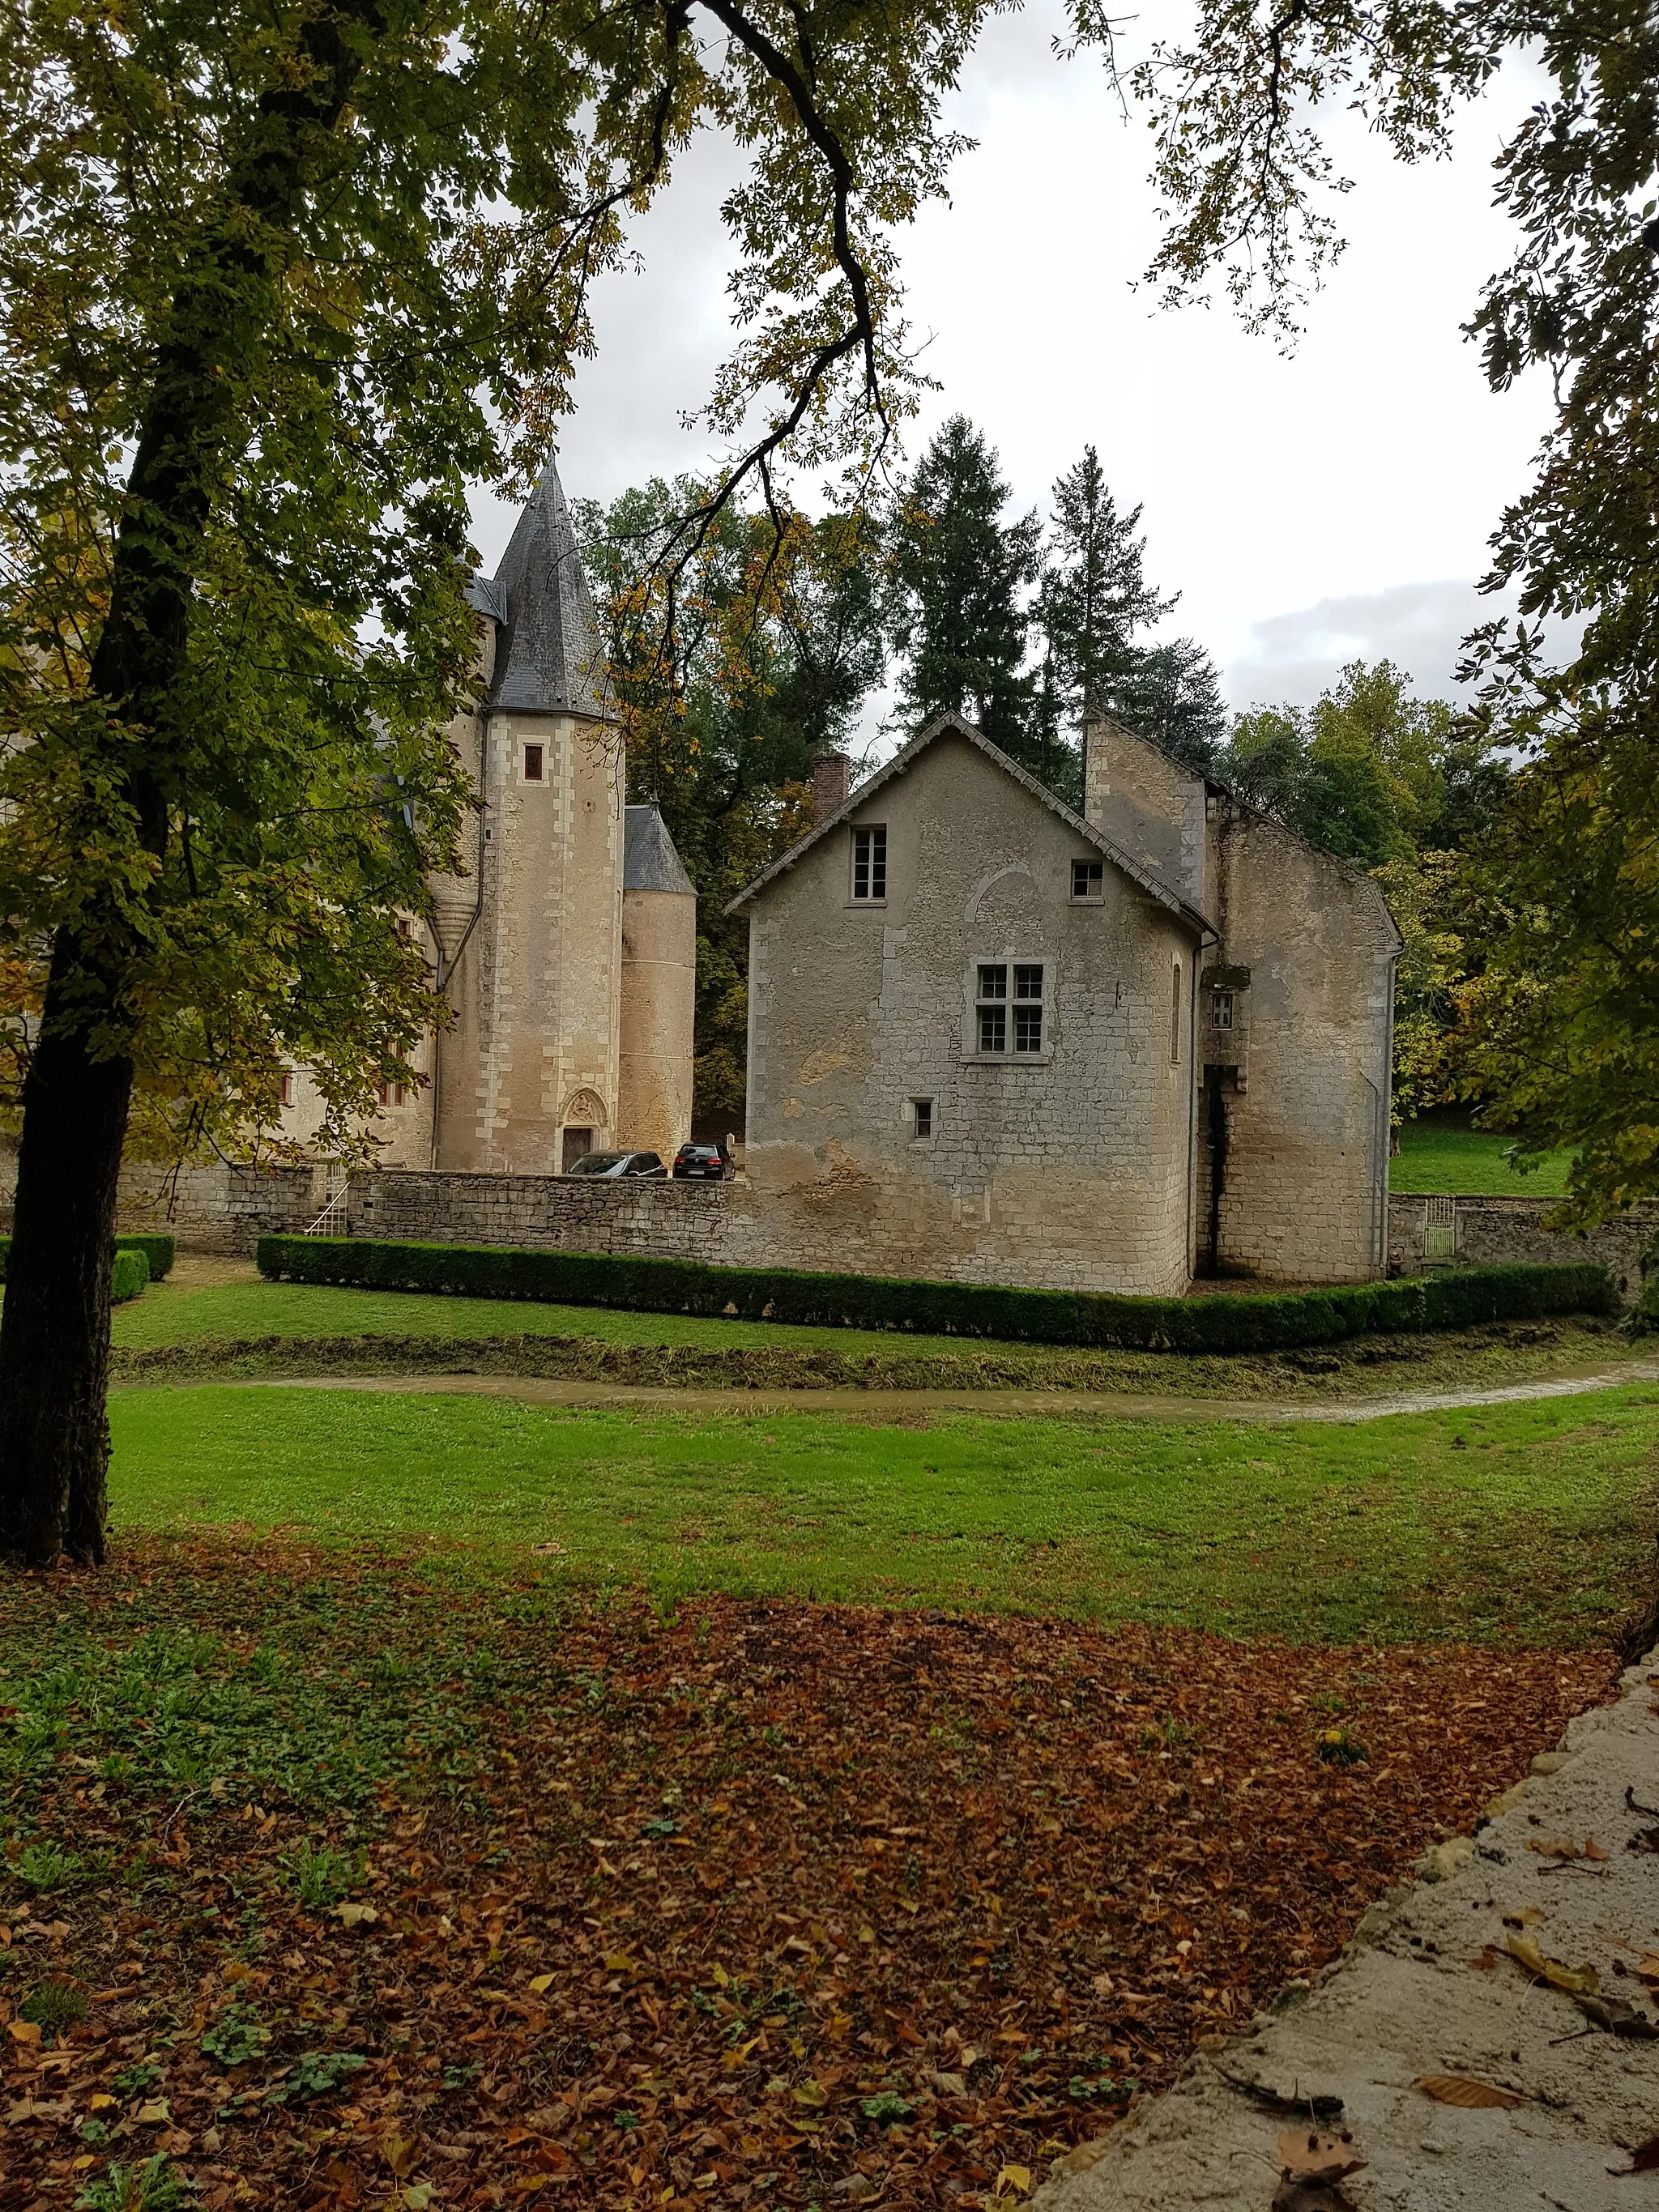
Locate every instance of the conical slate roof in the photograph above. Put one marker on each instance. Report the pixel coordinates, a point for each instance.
(649, 860)
(548, 659)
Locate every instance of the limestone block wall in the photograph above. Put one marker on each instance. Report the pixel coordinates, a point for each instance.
(1068, 1167)
(659, 1016)
(1501, 1231)
(1306, 952)
(220, 1209)
(534, 1045)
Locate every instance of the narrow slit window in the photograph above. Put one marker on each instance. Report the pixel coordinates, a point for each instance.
(287, 1089)
(1174, 1013)
(869, 863)
(922, 1110)
(533, 756)
(1087, 879)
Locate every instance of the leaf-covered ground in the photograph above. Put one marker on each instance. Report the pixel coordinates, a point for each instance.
(334, 1878)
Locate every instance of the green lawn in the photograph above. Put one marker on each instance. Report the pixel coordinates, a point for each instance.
(1463, 1162)
(1530, 1523)
(178, 1313)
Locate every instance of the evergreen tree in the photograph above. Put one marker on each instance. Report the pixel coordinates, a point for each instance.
(1173, 695)
(959, 573)
(1095, 595)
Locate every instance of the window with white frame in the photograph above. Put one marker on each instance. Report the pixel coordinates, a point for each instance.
(870, 862)
(991, 1005)
(1008, 1000)
(1221, 1010)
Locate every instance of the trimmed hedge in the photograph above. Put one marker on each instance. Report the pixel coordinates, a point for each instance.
(1455, 1299)
(130, 1274)
(158, 1250)
(158, 1253)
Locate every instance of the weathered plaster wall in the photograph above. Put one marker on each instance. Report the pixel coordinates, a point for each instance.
(659, 1012)
(1068, 1169)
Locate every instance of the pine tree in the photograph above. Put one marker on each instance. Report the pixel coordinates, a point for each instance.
(959, 575)
(1173, 695)
(1095, 595)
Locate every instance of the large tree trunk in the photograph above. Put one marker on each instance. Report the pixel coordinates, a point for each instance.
(54, 1327)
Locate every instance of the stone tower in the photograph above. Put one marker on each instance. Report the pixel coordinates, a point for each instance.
(529, 946)
(658, 987)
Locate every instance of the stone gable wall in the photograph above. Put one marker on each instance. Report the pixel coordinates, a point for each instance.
(1069, 1169)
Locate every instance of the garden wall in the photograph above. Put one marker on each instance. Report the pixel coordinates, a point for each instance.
(1486, 1232)
(225, 1209)
(206, 1209)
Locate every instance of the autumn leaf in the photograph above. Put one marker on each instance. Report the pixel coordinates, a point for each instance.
(1469, 2095)
(399, 2153)
(1316, 2155)
(1577, 1981)
(355, 1916)
(1014, 2177)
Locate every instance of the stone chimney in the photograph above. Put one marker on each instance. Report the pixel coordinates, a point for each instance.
(831, 778)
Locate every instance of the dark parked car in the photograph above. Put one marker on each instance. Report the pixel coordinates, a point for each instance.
(618, 1164)
(700, 1162)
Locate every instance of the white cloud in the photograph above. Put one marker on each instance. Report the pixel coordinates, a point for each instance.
(1299, 504)
(1419, 627)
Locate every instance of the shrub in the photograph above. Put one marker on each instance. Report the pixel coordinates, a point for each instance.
(1457, 1299)
(160, 1251)
(132, 1269)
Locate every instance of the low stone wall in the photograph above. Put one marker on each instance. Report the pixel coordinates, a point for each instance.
(666, 1220)
(225, 1209)
(1485, 1232)
(221, 1209)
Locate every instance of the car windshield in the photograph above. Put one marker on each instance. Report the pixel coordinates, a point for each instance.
(598, 1163)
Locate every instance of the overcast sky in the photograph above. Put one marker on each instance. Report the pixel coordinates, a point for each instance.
(1309, 510)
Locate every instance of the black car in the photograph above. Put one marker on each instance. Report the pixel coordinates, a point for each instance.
(700, 1162)
(618, 1164)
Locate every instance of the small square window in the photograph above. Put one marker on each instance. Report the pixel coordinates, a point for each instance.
(533, 756)
(1088, 878)
(869, 863)
(922, 1111)
(993, 980)
(1221, 1010)
(994, 1029)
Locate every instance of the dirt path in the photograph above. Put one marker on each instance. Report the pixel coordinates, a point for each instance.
(888, 1406)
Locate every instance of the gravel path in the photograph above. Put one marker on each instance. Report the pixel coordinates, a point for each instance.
(886, 1406)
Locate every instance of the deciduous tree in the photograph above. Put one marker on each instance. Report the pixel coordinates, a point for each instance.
(277, 284)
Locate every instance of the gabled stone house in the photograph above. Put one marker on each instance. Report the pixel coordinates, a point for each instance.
(992, 1039)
